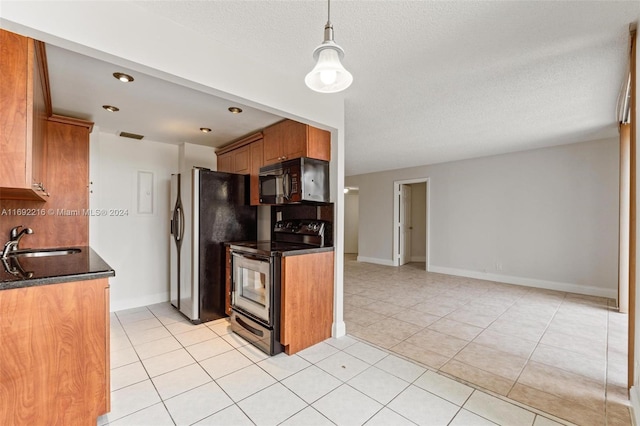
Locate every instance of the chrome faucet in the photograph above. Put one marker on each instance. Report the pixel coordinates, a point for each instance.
(14, 239)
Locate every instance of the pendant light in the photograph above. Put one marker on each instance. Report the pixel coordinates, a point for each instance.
(328, 76)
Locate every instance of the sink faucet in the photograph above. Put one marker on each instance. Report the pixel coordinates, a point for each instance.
(14, 239)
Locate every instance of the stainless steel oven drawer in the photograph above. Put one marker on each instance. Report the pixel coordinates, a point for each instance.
(257, 334)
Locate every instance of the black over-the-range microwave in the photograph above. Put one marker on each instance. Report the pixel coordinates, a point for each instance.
(295, 181)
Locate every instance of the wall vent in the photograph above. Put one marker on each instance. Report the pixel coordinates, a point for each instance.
(130, 135)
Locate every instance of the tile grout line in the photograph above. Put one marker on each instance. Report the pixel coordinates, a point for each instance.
(537, 344)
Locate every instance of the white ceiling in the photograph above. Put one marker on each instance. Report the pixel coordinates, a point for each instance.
(433, 81)
(149, 106)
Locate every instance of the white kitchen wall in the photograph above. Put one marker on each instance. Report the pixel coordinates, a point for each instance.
(135, 245)
(546, 217)
(192, 155)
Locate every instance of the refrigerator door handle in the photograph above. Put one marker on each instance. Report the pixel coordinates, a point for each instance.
(176, 219)
(181, 224)
(174, 227)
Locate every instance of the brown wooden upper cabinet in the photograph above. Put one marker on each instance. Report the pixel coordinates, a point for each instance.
(282, 141)
(23, 118)
(236, 161)
(289, 139)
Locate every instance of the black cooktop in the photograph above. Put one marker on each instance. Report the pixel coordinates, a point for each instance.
(268, 248)
(295, 236)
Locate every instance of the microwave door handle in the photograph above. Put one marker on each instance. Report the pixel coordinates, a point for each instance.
(286, 185)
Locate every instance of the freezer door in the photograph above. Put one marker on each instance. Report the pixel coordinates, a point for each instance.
(175, 241)
(224, 215)
(188, 281)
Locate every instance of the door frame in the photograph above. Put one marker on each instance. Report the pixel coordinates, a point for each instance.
(396, 218)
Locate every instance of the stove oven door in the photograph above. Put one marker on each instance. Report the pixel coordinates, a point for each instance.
(252, 286)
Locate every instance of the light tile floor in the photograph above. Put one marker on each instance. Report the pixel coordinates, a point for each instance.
(165, 371)
(562, 353)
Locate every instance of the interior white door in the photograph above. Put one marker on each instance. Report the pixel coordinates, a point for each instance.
(405, 224)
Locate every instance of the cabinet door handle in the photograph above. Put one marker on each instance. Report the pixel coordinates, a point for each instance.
(40, 187)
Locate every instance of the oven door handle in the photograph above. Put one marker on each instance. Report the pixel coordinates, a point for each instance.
(249, 328)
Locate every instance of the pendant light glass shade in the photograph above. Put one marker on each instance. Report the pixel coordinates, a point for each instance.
(328, 76)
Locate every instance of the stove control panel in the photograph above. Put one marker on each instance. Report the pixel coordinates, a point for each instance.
(305, 227)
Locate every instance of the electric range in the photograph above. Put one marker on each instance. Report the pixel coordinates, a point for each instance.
(255, 279)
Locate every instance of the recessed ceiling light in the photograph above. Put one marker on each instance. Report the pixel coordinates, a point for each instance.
(205, 129)
(125, 78)
(111, 108)
(235, 110)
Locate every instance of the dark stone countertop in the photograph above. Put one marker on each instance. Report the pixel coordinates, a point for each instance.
(20, 271)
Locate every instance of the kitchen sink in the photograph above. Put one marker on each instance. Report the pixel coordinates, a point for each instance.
(44, 252)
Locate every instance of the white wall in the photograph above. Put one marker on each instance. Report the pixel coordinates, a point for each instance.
(135, 245)
(351, 221)
(191, 155)
(546, 217)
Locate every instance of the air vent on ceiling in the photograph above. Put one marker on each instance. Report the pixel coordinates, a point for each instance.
(130, 135)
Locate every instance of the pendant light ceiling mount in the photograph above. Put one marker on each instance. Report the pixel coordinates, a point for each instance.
(328, 76)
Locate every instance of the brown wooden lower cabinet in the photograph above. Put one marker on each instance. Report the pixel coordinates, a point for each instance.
(307, 300)
(54, 354)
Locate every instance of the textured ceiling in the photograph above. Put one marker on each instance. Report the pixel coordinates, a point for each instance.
(441, 81)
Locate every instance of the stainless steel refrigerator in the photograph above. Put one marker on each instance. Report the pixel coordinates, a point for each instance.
(208, 209)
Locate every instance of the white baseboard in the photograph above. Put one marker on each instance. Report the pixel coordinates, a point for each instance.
(528, 282)
(418, 259)
(338, 329)
(375, 260)
(119, 305)
(634, 394)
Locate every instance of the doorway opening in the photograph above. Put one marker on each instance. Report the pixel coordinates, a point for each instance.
(411, 221)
